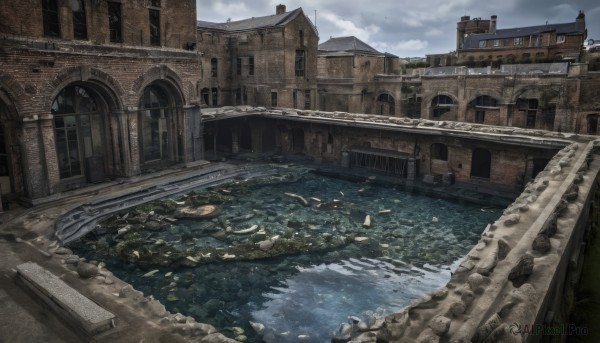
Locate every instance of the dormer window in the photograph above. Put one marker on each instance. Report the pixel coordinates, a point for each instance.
(482, 44)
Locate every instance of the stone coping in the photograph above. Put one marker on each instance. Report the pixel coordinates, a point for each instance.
(501, 134)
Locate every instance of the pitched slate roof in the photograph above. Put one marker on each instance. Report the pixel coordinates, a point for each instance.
(351, 43)
(276, 20)
(472, 41)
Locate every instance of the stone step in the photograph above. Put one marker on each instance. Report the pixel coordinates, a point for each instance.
(71, 305)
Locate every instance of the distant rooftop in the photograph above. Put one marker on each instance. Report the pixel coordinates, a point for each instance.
(347, 44)
(254, 23)
(472, 41)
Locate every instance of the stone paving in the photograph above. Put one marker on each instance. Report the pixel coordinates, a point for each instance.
(26, 236)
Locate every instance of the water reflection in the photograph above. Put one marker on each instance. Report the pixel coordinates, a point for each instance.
(318, 299)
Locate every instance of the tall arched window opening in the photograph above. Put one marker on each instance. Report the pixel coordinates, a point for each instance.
(158, 125)
(78, 128)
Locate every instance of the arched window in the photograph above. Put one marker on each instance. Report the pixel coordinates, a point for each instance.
(386, 104)
(158, 125)
(439, 151)
(441, 104)
(78, 128)
(485, 101)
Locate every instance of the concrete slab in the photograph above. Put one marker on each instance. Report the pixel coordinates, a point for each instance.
(85, 313)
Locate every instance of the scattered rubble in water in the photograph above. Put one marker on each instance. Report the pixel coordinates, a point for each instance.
(249, 239)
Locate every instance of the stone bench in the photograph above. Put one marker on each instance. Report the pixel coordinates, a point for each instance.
(77, 309)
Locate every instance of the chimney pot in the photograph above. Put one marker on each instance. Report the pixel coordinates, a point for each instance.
(493, 24)
(280, 9)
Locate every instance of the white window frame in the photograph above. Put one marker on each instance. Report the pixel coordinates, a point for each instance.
(496, 42)
(560, 39)
(482, 43)
(519, 41)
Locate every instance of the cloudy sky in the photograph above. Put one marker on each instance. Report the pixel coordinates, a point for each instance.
(408, 28)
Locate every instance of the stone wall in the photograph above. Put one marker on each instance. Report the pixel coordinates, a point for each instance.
(520, 277)
(327, 135)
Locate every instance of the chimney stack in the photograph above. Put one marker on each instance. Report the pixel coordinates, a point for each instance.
(493, 24)
(280, 9)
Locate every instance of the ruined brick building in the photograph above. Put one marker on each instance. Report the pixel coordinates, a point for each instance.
(261, 61)
(91, 90)
(480, 42)
(347, 68)
(95, 89)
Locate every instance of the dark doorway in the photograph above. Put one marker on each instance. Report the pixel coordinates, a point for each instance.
(246, 138)
(297, 140)
(481, 163)
(269, 142)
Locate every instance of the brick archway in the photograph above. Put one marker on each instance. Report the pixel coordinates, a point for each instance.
(12, 177)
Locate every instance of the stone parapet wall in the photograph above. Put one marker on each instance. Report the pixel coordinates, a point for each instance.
(520, 275)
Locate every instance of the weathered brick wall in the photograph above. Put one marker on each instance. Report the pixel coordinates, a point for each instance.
(508, 167)
(547, 48)
(336, 67)
(274, 51)
(24, 18)
(557, 91)
(34, 77)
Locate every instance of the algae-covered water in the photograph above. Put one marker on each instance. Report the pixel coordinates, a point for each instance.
(298, 257)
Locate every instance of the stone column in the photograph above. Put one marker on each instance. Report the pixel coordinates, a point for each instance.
(509, 116)
(503, 114)
(46, 124)
(193, 141)
(131, 141)
(36, 184)
(462, 98)
(115, 127)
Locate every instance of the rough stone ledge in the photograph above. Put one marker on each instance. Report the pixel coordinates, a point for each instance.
(65, 300)
(482, 302)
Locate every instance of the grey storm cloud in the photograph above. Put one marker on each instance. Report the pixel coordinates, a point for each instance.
(408, 28)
